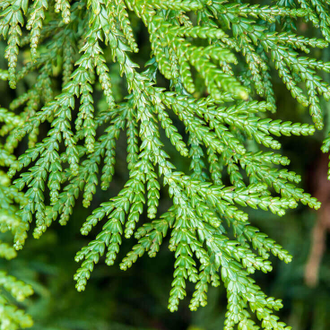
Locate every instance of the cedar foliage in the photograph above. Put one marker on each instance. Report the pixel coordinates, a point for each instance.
(218, 60)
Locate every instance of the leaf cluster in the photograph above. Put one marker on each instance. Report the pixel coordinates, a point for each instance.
(229, 138)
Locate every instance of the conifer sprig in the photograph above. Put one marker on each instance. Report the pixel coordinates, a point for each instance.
(218, 59)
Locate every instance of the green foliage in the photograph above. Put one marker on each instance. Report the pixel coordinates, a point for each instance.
(217, 60)
(11, 318)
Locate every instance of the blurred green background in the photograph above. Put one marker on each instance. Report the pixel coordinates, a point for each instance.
(137, 299)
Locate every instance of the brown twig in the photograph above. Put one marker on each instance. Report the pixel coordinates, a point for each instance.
(322, 225)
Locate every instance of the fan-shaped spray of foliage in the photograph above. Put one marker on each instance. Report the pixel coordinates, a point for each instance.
(229, 134)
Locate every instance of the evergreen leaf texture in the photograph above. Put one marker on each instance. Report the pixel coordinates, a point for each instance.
(207, 89)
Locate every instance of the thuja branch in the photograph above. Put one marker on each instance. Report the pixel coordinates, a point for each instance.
(217, 60)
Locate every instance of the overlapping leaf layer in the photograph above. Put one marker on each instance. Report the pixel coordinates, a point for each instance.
(223, 125)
